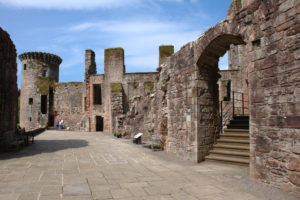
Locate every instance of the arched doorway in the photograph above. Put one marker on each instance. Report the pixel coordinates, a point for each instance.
(208, 117)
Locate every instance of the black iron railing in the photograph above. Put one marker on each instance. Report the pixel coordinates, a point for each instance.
(235, 106)
(239, 104)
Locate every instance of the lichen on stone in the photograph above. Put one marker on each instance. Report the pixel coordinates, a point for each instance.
(67, 83)
(235, 6)
(44, 84)
(166, 50)
(118, 52)
(116, 87)
(149, 86)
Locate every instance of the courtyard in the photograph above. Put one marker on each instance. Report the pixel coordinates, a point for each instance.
(82, 165)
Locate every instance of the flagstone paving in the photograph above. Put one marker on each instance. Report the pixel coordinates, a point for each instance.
(84, 166)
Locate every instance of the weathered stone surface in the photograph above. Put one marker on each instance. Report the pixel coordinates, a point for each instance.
(40, 71)
(180, 104)
(68, 105)
(293, 163)
(294, 177)
(8, 90)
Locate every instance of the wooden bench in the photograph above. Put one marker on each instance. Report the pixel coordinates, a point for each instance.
(155, 144)
(23, 137)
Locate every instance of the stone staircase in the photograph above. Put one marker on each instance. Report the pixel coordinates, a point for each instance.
(233, 144)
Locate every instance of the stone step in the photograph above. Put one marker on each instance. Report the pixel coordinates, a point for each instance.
(233, 160)
(241, 122)
(234, 135)
(242, 141)
(234, 153)
(232, 146)
(236, 117)
(230, 149)
(238, 126)
(236, 131)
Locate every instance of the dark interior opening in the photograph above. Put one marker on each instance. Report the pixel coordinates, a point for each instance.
(228, 91)
(44, 104)
(99, 123)
(44, 73)
(30, 101)
(256, 43)
(25, 67)
(51, 102)
(97, 94)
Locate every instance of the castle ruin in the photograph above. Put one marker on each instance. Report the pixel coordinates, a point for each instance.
(180, 102)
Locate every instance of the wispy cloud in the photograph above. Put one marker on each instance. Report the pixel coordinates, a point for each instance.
(80, 4)
(139, 38)
(136, 27)
(68, 4)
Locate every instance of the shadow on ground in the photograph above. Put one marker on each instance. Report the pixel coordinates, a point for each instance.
(44, 146)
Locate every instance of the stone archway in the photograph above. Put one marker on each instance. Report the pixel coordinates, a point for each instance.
(214, 44)
(270, 32)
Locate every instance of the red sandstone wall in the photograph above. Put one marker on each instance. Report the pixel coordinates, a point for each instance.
(8, 89)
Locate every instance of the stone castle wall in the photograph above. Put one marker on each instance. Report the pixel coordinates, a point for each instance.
(68, 105)
(138, 89)
(8, 90)
(183, 107)
(39, 73)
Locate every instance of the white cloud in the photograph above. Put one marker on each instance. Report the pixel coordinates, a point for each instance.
(81, 4)
(136, 27)
(68, 4)
(139, 38)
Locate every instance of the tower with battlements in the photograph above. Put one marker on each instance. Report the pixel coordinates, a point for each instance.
(40, 71)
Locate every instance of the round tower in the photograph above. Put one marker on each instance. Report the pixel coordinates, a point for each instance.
(40, 71)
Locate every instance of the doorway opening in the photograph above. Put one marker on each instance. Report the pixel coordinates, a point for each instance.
(99, 123)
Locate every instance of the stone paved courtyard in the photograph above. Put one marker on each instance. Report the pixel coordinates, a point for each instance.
(80, 165)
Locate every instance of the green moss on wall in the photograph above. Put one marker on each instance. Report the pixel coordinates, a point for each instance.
(149, 86)
(67, 83)
(135, 84)
(44, 85)
(235, 6)
(118, 52)
(166, 50)
(116, 87)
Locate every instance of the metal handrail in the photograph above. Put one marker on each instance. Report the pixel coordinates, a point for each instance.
(237, 98)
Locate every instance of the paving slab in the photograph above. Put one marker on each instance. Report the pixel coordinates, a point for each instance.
(71, 165)
(77, 189)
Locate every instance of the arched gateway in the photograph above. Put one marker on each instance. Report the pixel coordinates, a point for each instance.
(186, 104)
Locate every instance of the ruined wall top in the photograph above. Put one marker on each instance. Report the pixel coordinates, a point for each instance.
(7, 42)
(164, 52)
(45, 57)
(117, 52)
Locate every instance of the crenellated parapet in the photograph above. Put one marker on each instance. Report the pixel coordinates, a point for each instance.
(45, 57)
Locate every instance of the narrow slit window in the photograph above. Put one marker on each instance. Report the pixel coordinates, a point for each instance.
(44, 104)
(256, 43)
(44, 73)
(24, 66)
(97, 94)
(30, 101)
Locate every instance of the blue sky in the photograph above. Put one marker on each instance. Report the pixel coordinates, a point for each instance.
(68, 27)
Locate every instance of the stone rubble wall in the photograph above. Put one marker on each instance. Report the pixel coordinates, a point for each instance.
(274, 92)
(137, 89)
(68, 105)
(8, 90)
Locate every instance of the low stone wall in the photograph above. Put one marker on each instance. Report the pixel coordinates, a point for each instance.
(8, 90)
